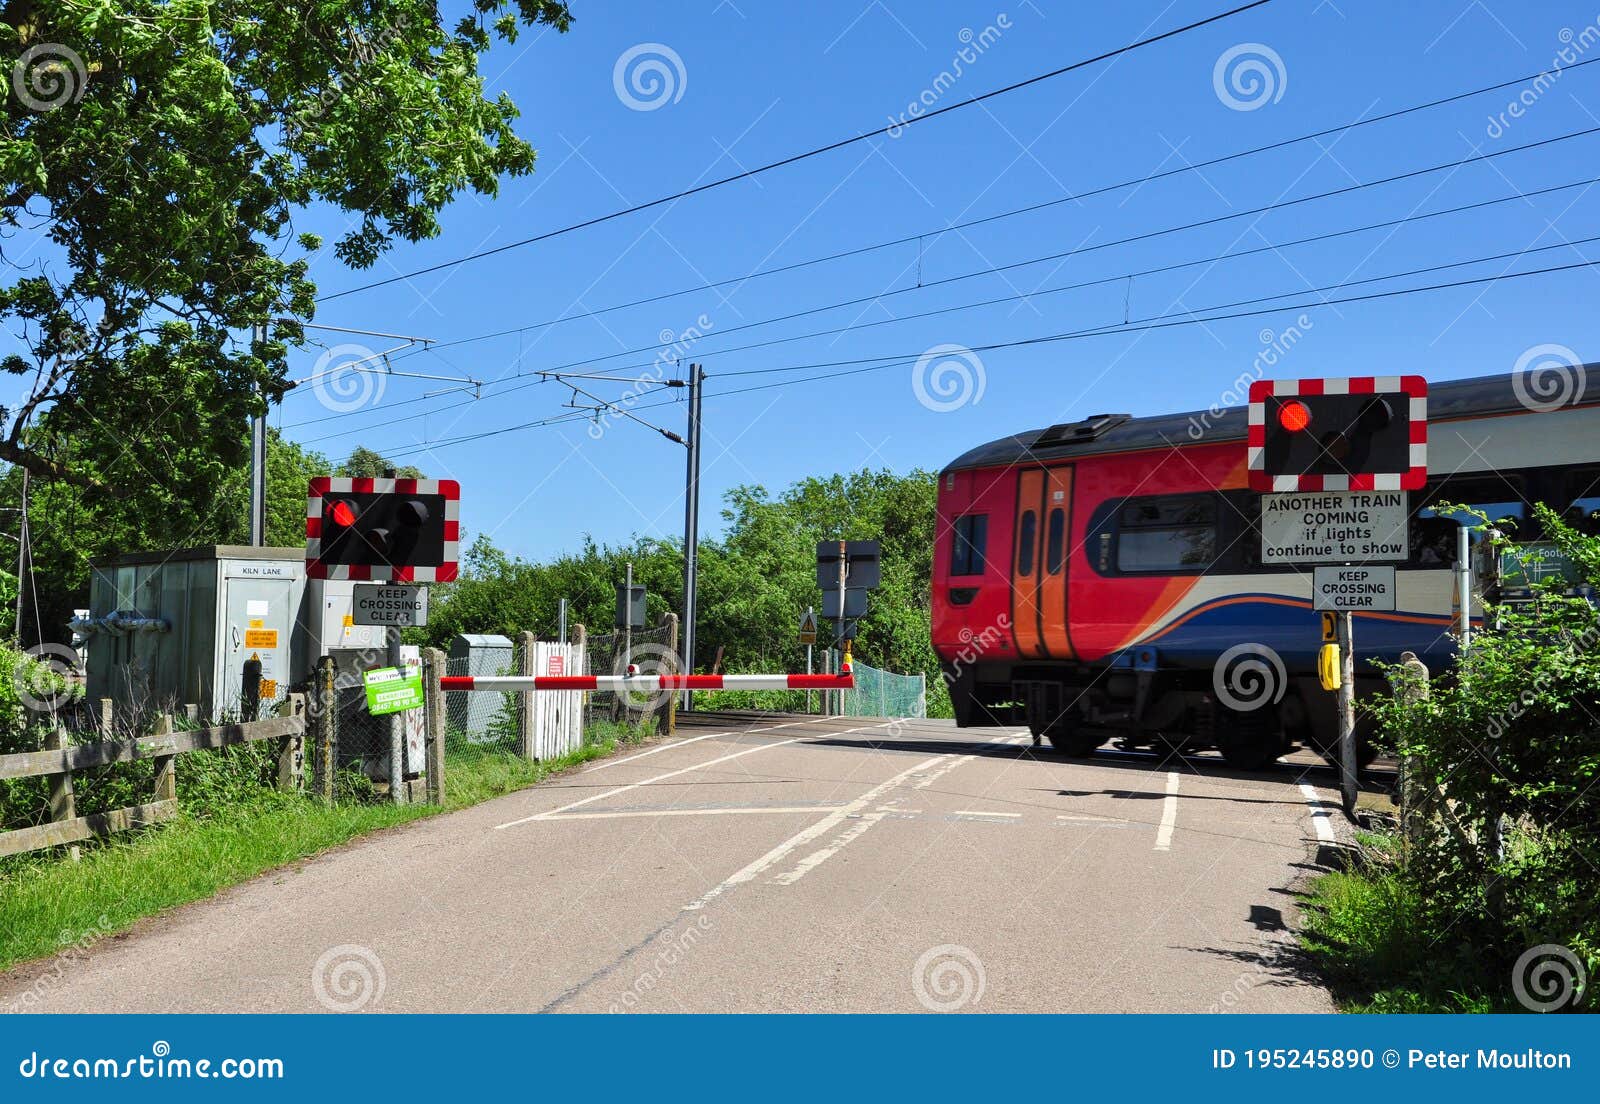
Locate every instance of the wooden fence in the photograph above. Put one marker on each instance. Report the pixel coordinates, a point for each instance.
(57, 762)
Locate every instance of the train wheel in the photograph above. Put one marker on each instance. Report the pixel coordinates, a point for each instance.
(1248, 741)
(1073, 742)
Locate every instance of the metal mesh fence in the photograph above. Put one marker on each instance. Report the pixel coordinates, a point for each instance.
(605, 656)
(477, 724)
(885, 694)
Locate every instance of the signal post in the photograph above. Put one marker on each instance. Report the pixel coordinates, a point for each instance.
(394, 533)
(1335, 460)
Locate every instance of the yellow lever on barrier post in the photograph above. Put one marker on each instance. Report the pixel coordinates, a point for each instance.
(1328, 666)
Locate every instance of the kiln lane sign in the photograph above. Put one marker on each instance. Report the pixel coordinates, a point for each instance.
(1324, 527)
(1356, 589)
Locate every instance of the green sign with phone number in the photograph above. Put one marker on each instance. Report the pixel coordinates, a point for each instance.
(393, 690)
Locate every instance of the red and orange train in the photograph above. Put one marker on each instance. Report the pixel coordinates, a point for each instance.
(1103, 578)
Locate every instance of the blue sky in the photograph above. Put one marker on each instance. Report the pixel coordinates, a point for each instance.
(748, 83)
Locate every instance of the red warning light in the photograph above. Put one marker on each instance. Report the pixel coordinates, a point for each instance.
(342, 513)
(1294, 416)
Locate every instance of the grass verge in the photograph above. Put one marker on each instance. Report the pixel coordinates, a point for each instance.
(1366, 929)
(47, 904)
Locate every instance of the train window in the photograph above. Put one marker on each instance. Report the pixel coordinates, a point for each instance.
(1055, 537)
(1173, 534)
(1027, 541)
(967, 549)
(1582, 510)
(1499, 497)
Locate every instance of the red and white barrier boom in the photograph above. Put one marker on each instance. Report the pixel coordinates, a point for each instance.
(649, 684)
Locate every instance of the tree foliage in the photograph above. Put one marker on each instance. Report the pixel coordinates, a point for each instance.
(753, 585)
(155, 154)
(1505, 754)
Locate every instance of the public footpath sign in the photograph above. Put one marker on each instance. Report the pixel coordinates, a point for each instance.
(393, 690)
(1335, 527)
(1357, 589)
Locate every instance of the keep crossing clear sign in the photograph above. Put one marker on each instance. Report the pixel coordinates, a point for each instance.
(393, 690)
(1353, 588)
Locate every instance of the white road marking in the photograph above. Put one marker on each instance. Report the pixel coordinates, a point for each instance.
(618, 814)
(1319, 814)
(982, 813)
(1091, 817)
(817, 858)
(653, 751)
(805, 836)
(648, 781)
(695, 740)
(1169, 814)
(551, 813)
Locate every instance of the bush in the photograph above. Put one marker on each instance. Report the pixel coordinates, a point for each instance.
(1507, 750)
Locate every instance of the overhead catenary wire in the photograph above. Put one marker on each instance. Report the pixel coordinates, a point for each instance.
(865, 365)
(830, 147)
(521, 381)
(1027, 209)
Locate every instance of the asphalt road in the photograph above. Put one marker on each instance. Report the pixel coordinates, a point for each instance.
(773, 864)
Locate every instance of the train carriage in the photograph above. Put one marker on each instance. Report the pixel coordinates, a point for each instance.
(1103, 579)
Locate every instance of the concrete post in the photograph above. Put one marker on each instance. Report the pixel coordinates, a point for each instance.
(433, 668)
(525, 724)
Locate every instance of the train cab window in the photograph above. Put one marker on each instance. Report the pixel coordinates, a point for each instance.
(967, 548)
(1173, 534)
(1055, 539)
(1027, 540)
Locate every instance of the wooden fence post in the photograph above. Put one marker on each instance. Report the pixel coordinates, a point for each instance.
(291, 751)
(1413, 688)
(433, 667)
(667, 722)
(324, 714)
(166, 766)
(63, 805)
(525, 667)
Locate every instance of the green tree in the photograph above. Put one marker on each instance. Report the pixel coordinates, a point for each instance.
(161, 149)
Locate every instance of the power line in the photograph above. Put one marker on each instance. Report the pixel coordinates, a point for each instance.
(793, 158)
(1028, 209)
(1145, 236)
(864, 365)
(1020, 297)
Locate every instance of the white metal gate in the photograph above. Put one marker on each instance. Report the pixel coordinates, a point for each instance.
(558, 716)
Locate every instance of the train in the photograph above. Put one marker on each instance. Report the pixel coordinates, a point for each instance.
(1102, 579)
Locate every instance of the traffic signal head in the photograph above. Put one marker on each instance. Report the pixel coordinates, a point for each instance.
(1361, 433)
(382, 530)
